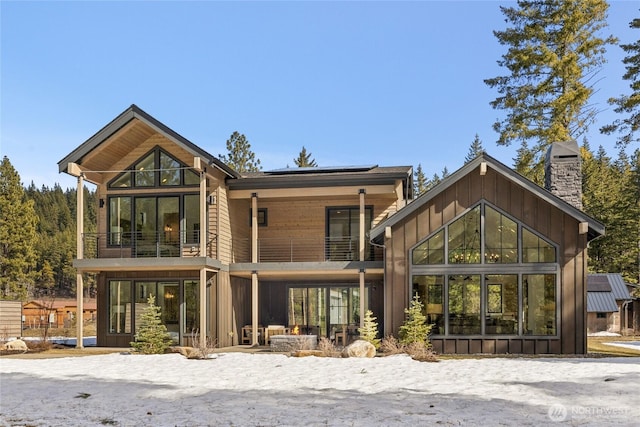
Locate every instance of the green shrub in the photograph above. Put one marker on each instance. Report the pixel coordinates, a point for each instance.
(369, 331)
(415, 328)
(152, 336)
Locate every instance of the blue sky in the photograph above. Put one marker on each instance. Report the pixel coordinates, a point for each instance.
(356, 83)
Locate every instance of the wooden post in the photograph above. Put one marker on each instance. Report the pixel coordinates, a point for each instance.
(254, 274)
(362, 257)
(79, 255)
(204, 209)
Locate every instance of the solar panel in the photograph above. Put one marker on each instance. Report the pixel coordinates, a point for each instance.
(598, 284)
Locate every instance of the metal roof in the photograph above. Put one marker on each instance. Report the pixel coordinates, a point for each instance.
(617, 288)
(601, 302)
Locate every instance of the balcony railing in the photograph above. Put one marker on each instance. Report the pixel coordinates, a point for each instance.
(144, 245)
(305, 250)
(181, 244)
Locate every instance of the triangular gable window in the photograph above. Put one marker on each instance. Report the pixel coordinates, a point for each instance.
(156, 169)
(483, 235)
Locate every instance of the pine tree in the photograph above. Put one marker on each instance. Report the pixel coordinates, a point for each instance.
(369, 330)
(415, 328)
(240, 157)
(629, 127)
(304, 160)
(553, 53)
(474, 150)
(419, 182)
(151, 335)
(18, 223)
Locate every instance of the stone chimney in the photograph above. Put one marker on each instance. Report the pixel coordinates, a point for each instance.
(563, 172)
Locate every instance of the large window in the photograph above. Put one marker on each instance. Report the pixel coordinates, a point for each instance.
(154, 225)
(343, 233)
(539, 304)
(120, 307)
(464, 305)
(483, 235)
(485, 273)
(179, 304)
(430, 289)
(156, 169)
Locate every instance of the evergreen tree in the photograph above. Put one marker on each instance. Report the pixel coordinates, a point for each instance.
(419, 182)
(415, 328)
(240, 157)
(369, 331)
(151, 335)
(629, 127)
(304, 160)
(18, 223)
(524, 164)
(553, 53)
(610, 194)
(474, 150)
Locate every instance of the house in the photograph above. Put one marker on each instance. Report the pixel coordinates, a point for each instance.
(608, 301)
(310, 249)
(55, 313)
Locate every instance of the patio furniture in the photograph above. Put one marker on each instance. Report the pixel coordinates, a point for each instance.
(247, 334)
(272, 330)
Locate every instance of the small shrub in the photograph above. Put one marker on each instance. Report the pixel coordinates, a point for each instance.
(152, 336)
(201, 347)
(369, 330)
(421, 352)
(327, 348)
(415, 328)
(390, 345)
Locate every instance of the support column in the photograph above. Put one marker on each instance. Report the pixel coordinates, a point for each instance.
(203, 306)
(362, 257)
(79, 255)
(254, 273)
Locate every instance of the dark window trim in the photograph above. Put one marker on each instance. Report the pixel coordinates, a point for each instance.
(156, 178)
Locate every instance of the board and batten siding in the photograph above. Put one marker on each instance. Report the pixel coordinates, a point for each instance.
(524, 206)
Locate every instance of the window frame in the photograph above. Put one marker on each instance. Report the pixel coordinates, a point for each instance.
(486, 269)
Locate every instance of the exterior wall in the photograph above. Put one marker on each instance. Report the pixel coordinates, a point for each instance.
(537, 214)
(594, 324)
(10, 319)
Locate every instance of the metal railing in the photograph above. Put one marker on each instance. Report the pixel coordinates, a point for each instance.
(144, 244)
(304, 250)
(182, 244)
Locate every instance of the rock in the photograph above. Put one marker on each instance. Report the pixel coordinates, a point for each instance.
(15, 345)
(359, 348)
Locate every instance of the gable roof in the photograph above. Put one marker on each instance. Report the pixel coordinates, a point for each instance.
(596, 228)
(136, 113)
(601, 302)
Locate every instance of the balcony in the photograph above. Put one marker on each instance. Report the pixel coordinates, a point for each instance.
(144, 245)
(180, 244)
(304, 250)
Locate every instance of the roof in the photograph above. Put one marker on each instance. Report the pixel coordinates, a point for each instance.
(608, 282)
(325, 176)
(601, 302)
(596, 228)
(88, 304)
(136, 113)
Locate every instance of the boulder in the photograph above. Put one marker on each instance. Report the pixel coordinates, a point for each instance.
(15, 345)
(359, 348)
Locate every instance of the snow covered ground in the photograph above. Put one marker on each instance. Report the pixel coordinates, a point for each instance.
(240, 389)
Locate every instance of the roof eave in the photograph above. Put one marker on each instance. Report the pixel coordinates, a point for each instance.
(595, 228)
(131, 113)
